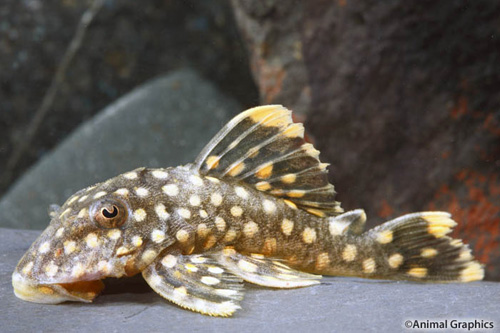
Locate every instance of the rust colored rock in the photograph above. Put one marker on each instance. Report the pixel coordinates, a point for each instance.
(272, 30)
(403, 103)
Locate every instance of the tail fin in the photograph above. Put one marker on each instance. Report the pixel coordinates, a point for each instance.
(415, 247)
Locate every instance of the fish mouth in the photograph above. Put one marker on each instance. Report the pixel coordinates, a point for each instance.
(54, 293)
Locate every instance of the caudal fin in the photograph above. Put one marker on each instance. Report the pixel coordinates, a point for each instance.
(415, 247)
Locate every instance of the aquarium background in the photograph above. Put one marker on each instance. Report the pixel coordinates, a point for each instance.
(401, 98)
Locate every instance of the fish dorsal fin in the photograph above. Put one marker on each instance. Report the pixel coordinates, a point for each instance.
(263, 148)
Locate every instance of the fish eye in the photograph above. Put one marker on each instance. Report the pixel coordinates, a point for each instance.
(109, 213)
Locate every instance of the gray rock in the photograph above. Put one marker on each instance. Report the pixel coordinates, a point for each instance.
(128, 43)
(165, 122)
(337, 305)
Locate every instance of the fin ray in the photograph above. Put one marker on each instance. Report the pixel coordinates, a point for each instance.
(264, 148)
(265, 271)
(195, 282)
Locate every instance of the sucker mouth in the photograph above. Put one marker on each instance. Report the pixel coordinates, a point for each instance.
(78, 291)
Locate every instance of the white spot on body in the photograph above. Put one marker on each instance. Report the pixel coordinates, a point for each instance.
(140, 215)
(198, 260)
(395, 260)
(202, 230)
(69, 247)
(82, 213)
(51, 269)
(99, 194)
(220, 223)
(349, 253)
(142, 192)
(241, 192)
(44, 247)
(216, 199)
(215, 270)
(122, 250)
(159, 174)
(157, 236)
(114, 234)
(428, 252)
(184, 213)
(182, 235)
(122, 191)
(130, 175)
(83, 198)
(287, 227)
(104, 267)
(59, 232)
(309, 235)
(210, 280)
(137, 241)
(26, 269)
(230, 235)
(418, 272)
(73, 199)
(161, 212)
(169, 261)
(78, 270)
(92, 240)
(269, 206)
(236, 211)
(171, 190)
(203, 213)
(191, 268)
(194, 200)
(250, 229)
(369, 266)
(196, 180)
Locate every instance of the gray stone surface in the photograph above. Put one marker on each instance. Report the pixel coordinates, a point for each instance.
(128, 43)
(165, 122)
(337, 305)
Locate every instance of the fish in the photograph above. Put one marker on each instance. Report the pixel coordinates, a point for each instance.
(255, 206)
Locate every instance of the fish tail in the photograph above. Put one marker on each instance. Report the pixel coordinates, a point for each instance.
(415, 247)
(411, 247)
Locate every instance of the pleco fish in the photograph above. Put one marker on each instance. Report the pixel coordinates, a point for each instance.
(256, 205)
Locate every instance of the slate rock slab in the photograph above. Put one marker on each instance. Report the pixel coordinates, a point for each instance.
(400, 97)
(165, 122)
(337, 305)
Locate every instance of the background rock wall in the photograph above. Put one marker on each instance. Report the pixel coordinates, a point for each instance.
(402, 100)
(127, 43)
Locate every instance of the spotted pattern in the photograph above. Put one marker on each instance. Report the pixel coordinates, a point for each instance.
(216, 199)
(309, 235)
(250, 229)
(369, 265)
(395, 260)
(349, 253)
(287, 227)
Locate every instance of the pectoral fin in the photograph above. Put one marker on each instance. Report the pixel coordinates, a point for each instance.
(195, 282)
(265, 272)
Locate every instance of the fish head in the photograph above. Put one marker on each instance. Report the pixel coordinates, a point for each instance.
(99, 232)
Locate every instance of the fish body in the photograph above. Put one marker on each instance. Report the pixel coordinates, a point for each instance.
(256, 205)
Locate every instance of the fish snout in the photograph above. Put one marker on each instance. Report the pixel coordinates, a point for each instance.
(31, 291)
